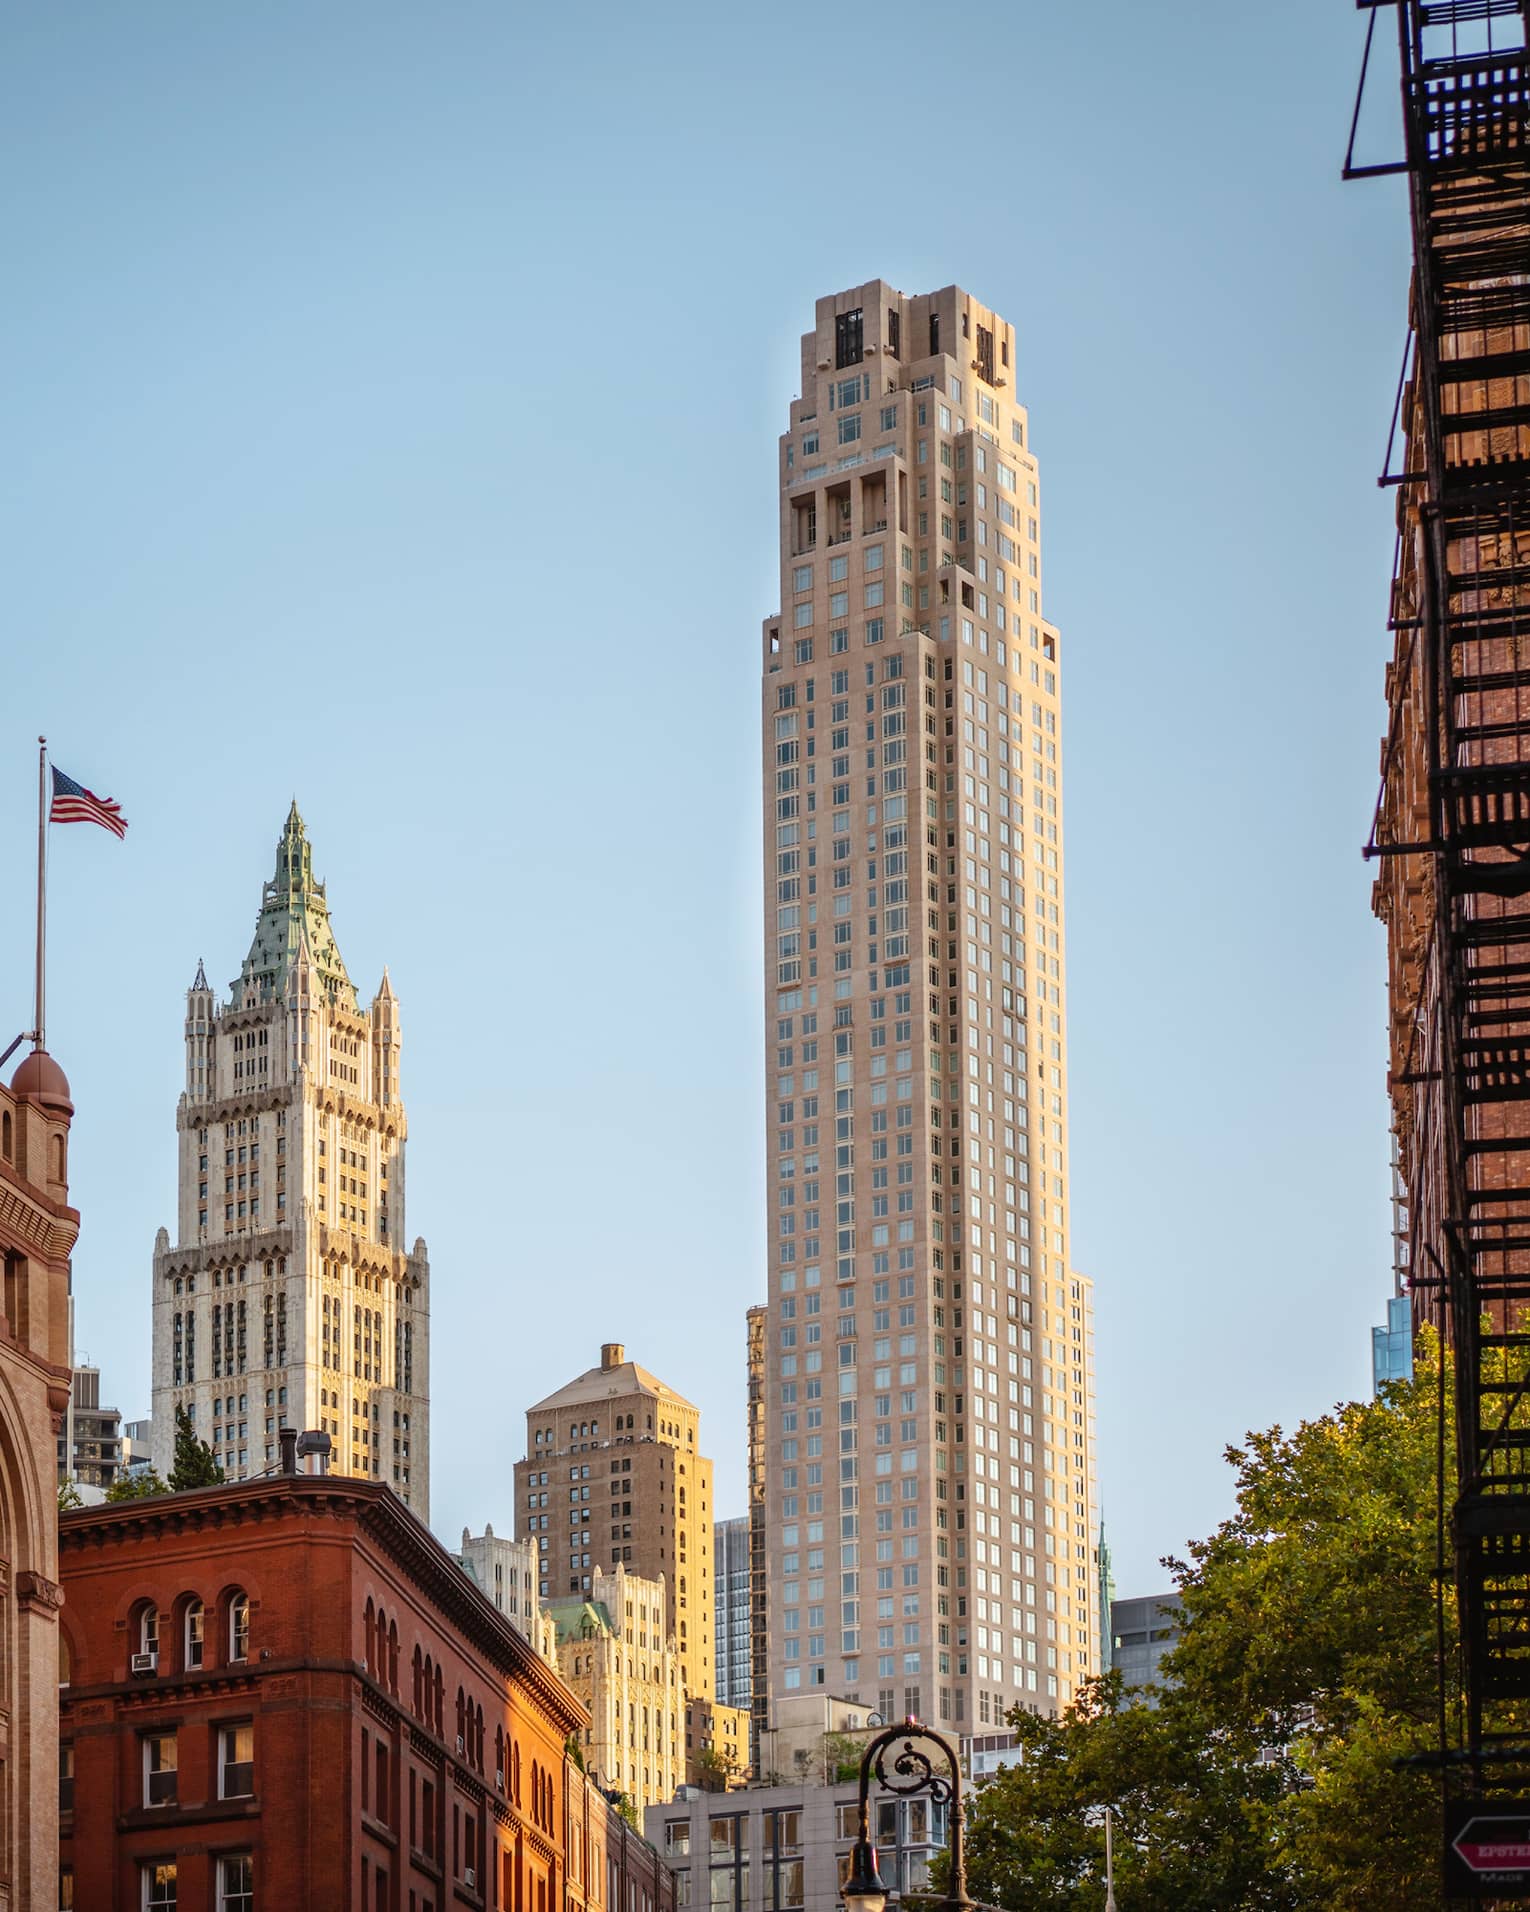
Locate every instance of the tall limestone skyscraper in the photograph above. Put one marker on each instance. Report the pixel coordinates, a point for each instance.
(290, 1297)
(929, 1387)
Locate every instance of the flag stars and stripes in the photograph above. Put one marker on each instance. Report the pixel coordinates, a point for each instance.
(73, 803)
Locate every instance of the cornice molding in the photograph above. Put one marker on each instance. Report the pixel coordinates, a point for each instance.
(193, 1258)
(34, 1221)
(35, 1593)
(379, 1513)
(252, 1101)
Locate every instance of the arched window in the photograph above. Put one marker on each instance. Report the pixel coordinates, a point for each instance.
(192, 1625)
(499, 1757)
(419, 1674)
(58, 1158)
(440, 1702)
(238, 1627)
(5, 1135)
(369, 1648)
(478, 1737)
(461, 1721)
(145, 1637)
(65, 1658)
(393, 1658)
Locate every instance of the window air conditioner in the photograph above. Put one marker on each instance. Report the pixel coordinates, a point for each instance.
(470, 1878)
(145, 1662)
(460, 1743)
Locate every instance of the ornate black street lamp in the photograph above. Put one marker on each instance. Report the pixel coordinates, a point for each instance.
(900, 1762)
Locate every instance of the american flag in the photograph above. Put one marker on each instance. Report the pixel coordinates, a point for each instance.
(73, 803)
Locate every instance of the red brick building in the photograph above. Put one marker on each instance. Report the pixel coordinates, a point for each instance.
(37, 1235)
(285, 1693)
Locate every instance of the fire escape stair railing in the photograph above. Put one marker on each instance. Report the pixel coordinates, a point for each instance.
(1469, 158)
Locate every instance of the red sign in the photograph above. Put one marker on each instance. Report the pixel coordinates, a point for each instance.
(1488, 1850)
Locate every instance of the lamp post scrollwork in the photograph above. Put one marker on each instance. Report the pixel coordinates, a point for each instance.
(904, 1761)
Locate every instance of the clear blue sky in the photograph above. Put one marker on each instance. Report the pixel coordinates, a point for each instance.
(390, 411)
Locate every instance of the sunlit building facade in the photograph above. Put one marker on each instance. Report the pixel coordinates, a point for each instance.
(929, 1367)
(289, 1294)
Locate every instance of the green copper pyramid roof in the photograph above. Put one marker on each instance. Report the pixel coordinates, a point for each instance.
(294, 921)
(578, 1618)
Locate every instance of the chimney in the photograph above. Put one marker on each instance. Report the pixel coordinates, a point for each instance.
(612, 1355)
(287, 1439)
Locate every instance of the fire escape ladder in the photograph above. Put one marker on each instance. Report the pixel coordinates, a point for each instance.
(1466, 83)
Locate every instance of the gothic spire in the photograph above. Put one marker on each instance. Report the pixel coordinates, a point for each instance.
(294, 919)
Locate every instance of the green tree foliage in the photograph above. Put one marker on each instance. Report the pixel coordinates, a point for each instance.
(1265, 1775)
(68, 1496)
(714, 1767)
(627, 1807)
(194, 1464)
(842, 1757)
(142, 1486)
(1192, 1808)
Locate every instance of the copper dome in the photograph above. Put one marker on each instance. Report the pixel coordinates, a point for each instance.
(41, 1079)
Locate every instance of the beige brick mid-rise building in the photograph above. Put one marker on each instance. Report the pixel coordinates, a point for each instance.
(617, 1651)
(929, 1373)
(613, 1477)
(716, 1743)
(289, 1295)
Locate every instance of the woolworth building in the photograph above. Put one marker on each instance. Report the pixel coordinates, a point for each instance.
(290, 1296)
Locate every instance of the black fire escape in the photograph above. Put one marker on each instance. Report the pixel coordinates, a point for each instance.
(1463, 599)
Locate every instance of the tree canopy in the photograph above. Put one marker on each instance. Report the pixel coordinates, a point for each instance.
(1263, 1775)
(194, 1465)
(714, 1767)
(140, 1486)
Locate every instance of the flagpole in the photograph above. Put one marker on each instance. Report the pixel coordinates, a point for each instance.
(38, 1030)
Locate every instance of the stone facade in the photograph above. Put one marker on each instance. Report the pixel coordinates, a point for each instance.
(617, 1653)
(506, 1572)
(929, 1373)
(614, 1477)
(785, 1848)
(289, 1295)
(808, 1734)
(37, 1236)
(242, 1653)
(716, 1743)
